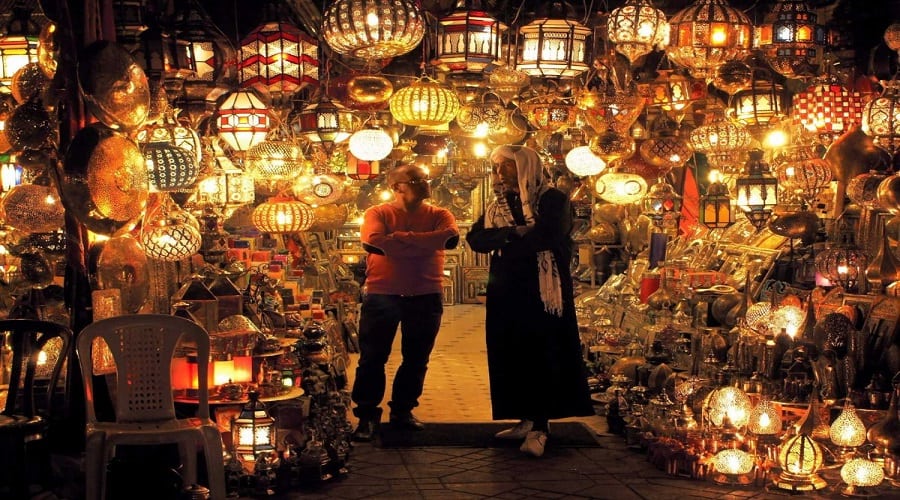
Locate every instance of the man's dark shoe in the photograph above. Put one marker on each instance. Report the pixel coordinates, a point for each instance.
(365, 431)
(407, 421)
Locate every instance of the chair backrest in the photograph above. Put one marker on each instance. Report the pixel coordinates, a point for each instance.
(27, 338)
(142, 346)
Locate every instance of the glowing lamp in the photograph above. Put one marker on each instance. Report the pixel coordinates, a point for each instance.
(370, 144)
(324, 122)
(765, 419)
(468, 40)
(169, 233)
(800, 457)
(581, 161)
(362, 170)
(424, 102)
(827, 109)
(222, 371)
(253, 432)
(859, 474)
(373, 29)
(554, 44)
(273, 160)
(881, 117)
(706, 34)
(636, 28)
(278, 58)
(791, 39)
(731, 402)
(620, 188)
(757, 191)
(716, 210)
(847, 431)
(10, 172)
(243, 120)
(733, 466)
(16, 51)
(169, 167)
(280, 215)
(243, 369)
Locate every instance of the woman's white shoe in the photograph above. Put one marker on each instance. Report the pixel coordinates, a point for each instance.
(534, 443)
(518, 431)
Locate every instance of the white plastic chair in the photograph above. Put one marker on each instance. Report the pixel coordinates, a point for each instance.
(142, 346)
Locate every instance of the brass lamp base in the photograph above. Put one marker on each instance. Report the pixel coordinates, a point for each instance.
(731, 479)
(858, 491)
(792, 482)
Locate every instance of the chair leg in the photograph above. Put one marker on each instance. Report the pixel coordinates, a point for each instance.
(187, 451)
(95, 462)
(215, 462)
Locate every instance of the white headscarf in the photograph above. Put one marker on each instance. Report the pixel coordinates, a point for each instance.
(532, 185)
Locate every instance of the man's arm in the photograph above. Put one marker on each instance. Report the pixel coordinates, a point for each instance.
(445, 235)
(377, 239)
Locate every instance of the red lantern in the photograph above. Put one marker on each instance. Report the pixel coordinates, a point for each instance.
(362, 170)
(278, 58)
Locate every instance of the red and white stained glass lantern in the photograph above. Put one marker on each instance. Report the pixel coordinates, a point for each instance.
(211, 55)
(278, 58)
(243, 120)
(827, 109)
(362, 170)
(468, 40)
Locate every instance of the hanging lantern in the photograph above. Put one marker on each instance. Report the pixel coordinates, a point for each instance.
(373, 29)
(507, 82)
(662, 204)
(827, 109)
(716, 210)
(362, 170)
(324, 122)
(169, 167)
(177, 133)
(253, 432)
(790, 39)
(19, 44)
(33, 208)
(666, 149)
(549, 113)
(223, 185)
(859, 474)
(722, 141)
(756, 106)
(319, 189)
(757, 191)
(706, 34)
(467, 40)
(10, 173)
(554, 44)
(612, 145)
(843, 263)
(243, 120)
(483, 117)
(211, 55)
(881, 117)
(733, 76)
(637, 28)
(273, 160)
(668, 91)
(169, 233)
(425, 102)
(280, 215)
(279, 59)
(802, 173)
(582, 162)
(371, 144)
(620, 188)
(863, 188)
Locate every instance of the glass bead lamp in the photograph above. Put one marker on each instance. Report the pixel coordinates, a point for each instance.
(281, 215)
(243, 120)
(554, 44)
(371, 144)
(732, 466)
(847, 431)
(424, 102)
(707, 33)
(582, 162)
(373, 29)
(637, 28)
(468, 39)
(253, 432)
(791, 39)
(757, 191)
(278, 59)
(860, 474)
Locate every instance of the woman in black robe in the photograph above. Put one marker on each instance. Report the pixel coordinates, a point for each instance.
(535, 362)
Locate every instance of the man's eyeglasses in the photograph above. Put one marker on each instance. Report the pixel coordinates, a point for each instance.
(414, 182)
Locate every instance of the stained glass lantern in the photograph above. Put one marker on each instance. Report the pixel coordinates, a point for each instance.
(279, 215)
(467, 40)
(549, 113)
(223, 185)
(668, 91)
(19, 44)
(169, 233)
(619, 187)
(273, 160)
(278, 59)
(827, 109)
(371, 144)
(662, 204)
(10, 173)
(324, 122)
(169, 167)
(706, 34)
(581, 161)
(722, 141)
(637, 28)
(860, 474)
(554, 44)
(243, 120)
(211, 55)
(790, 38)
(425, 102)
(757, 190)
(362, 170)
(253, 432)
(716, 210)
(759, 104)
(373, 29)
(881, 117)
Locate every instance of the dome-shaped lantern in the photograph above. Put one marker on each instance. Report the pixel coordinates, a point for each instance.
(243, 120)
(373, 29)
(706, 34)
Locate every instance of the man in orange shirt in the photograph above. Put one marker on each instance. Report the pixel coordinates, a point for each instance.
(405, 240)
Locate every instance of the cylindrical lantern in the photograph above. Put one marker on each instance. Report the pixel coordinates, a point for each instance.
(373, 29)
(756, 106)
(169, 167)
(554, 44)
(278, 58)
(468, 39)
(253, 432)
(243, 120)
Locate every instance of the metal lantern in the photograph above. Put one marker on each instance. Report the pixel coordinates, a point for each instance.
(790, 39)
(706, 34)
(669, 91)
(842, 263)
(280, 215)
(19, 45)
(243, 120)
(827, 109)
(802, 173)
(847, 431)
(756, 106)
(33, 208)
(881, 117)
(273, 160)
(467, 40)
(373, 29)
(722, 141)
(169, 233)
(324, 122)
(757, 191)
(716, 210)
(662, 204)
(169, 167)
(483, 117)
(211, 55)
(175, 131)
(729, 402)
(223, 185)
(319, 189)
(425, 102)
(800, 459)
(554, 44)
(278, 58)
(637, 28)
(859, 474)
(733, 466)
(371, 144)
(252, 432)
(765, 419)
(507, 82)
(549, 113)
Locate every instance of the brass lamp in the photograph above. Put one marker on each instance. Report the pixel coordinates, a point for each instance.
(733, 466)
(209, 53)
(721, 140)
(881, 117)
(757, 191)
(620, 187)
(280, 215)
(424, 102)
(828, 109)
(791, 39)
(843, 263)
(273, 160)
(729, 402)
(169, 233)
(800, 457)
(716, 210)
(371, 144)
(847, 431)
(554, 44)
(324, 122)
(662, 204)
(19, 44)
(707, 33)
(765, 425)
(253, 432)
(468, 39)
(859, 474)
(373, 29)
(637, 28)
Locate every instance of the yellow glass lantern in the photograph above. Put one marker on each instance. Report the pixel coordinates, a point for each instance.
(468, 39)
(706, 34)
(860, 474)
(847, 431)
(281, 215)
(582, 162)
(668, 91)
(716, 210)
(243, 120)
(425, 102)
(731, 402)
(554, 44)
(800, 457)
(373, 29)
(765, 419)
(253, 432)
(732, 466)
(637, 28)
(273, 160)
(278, 59)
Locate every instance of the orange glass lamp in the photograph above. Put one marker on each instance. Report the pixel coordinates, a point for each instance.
(791, 39)
(716, 210)
(468, 40)
(243, 120)
(827, 109)
(860, 474)
(847, 432)
(362, 170)
(733, 466)
(252, 432)
(554, 44)
(706, 34)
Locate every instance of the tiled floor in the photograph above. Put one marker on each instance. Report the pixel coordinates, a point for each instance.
(456, 391)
